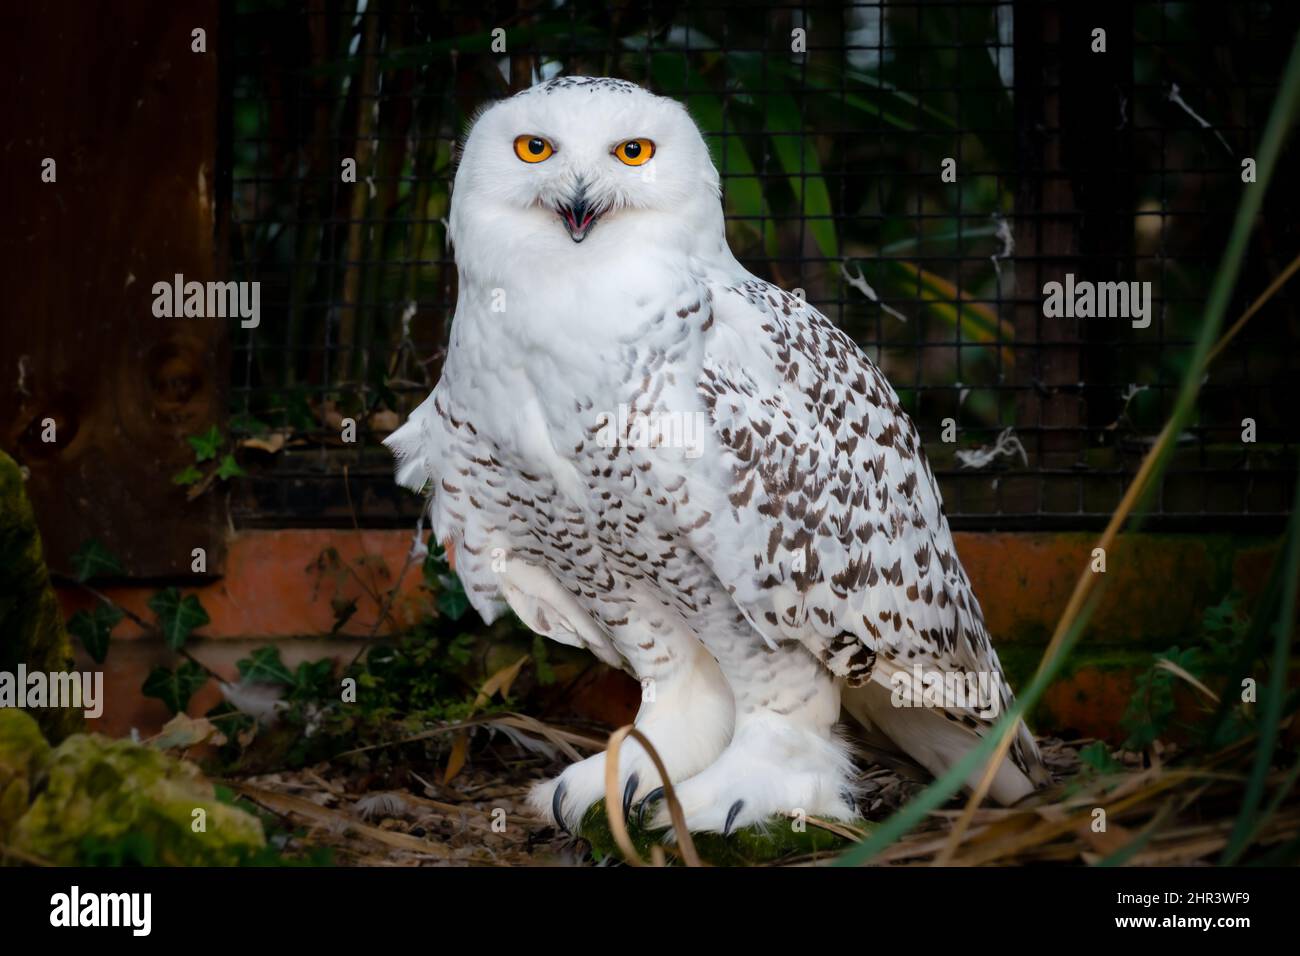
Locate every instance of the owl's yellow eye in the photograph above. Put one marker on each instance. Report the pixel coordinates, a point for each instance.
(634, 152)
(532, 149)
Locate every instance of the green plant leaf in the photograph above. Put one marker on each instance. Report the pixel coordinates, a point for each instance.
(542, 662)
(977, 321)
(177, 616)
(797, 154)
(743, 188)
(435, 562)
(206, 445)
(187, 476)
(1097, 756)
(229, 468)
(175, 688)
(315, 678)
(461, 649)
(453, 603)
(1249, 821)
(264, 666)
(94, 628)
(93, 560)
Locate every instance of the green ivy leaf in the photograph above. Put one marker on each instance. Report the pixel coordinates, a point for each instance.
(93, 560)
(265, 667)
(189, 476)
(1097, 756)
(542, 661)
(175, 688)
(177, 616)
(439, 577)
(461, 649)
(314, 678)
(229, 468)
(453, 603)
(95, 628)
(205, 446)
(435, 562)
(298, 411)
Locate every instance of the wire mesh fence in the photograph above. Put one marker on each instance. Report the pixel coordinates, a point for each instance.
(922, 171)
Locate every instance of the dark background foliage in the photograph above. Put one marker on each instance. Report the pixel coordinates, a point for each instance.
(1122, 165)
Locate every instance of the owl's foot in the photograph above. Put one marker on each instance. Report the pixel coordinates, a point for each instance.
(772, 768)
(684, 749)
(688, 721)
(563, 800)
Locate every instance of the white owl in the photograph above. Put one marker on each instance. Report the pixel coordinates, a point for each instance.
(648, 452)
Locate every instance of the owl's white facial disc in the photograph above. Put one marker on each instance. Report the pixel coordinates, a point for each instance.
(580, 198)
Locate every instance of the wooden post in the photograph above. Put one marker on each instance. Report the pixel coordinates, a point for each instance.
(116, 96)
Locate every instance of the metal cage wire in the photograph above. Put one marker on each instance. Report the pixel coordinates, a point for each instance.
(831, 126)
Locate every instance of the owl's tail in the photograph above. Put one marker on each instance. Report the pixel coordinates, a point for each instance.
(937, 742)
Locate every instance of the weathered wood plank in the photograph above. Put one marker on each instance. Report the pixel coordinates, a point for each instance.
(115, 95)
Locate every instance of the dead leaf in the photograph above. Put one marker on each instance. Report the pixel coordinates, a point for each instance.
(456, 761)
(499, 682)
(183, 731)
(270, 444)
(1114, 838)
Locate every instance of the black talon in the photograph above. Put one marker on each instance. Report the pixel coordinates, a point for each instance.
(628, 790)
(648, 799)
(731, 817)
(556, 801)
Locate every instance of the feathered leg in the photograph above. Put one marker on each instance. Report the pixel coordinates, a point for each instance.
(784, 757)
(686, 712)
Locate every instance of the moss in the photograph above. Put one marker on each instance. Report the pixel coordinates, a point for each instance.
(31, 622)
(23, 754)
(748, 846)
(98, 799)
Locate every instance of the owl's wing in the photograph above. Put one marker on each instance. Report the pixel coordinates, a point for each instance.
(832, 530)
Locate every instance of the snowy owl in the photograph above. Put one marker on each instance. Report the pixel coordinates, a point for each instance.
(647, 452)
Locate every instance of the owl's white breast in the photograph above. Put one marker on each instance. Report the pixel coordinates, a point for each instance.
(539, 355)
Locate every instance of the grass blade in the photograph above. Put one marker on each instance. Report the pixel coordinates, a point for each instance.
(1247, 824)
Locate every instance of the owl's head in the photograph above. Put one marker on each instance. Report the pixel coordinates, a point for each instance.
(578, 164)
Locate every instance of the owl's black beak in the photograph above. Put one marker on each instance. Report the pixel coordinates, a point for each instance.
(579, 217)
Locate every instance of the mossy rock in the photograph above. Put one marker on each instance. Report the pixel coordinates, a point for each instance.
(31, 622)
(23, 752)
(748, 846)
(99, 800)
